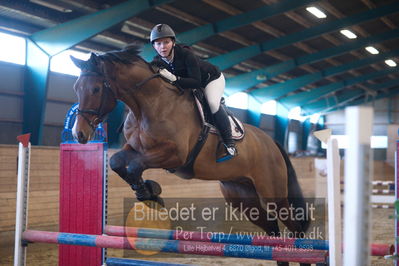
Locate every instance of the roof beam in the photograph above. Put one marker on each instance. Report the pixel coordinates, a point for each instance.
(230, 59)
(42, 45)
(303, 97)
(357, 101)
(64, 36)
(207, 30)
(333, 87)
(386, 20)
(388, 94)
(267, 29)
(357, 28)
(320, 104)
(334, 101)
(247, 80)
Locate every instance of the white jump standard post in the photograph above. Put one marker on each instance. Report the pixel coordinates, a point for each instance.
(358, 171)
(22, 198)
(334, 203)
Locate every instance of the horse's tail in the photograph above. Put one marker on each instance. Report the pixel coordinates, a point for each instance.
(295, 196)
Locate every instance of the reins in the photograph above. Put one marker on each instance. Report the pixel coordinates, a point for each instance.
(99, 113)
(156, 74)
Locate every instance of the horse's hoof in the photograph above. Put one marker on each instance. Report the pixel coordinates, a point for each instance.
(154, 188)
(143, 195)
(155, 203)
(159, 200)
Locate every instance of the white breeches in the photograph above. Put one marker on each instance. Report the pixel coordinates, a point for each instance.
(214, 92)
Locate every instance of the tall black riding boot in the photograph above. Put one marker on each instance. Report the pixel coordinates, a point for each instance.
(223, 124)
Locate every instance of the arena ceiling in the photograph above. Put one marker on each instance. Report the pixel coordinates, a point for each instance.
(268, 48)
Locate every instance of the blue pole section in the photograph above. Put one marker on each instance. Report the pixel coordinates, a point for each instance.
(131, 262)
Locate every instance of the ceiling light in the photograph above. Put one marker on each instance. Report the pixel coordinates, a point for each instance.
(390, 63)
(316, 12)
(261, 77)
(52, 6)
(372, 50)
(348, 34)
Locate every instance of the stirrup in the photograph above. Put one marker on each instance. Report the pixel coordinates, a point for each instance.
(231, 152)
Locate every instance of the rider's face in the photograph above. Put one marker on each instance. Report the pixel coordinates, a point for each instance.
(163, 46)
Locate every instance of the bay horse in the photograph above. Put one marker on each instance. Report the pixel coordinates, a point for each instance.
(162, 127)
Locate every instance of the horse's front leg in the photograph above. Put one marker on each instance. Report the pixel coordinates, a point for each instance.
(128, 164)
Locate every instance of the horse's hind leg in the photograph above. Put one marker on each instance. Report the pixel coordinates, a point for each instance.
(127, 164)
(242, 191)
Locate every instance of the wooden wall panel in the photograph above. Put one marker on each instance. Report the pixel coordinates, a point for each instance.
(44, 187)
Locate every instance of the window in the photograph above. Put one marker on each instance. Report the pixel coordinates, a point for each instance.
(295, 113)
(238, 100)
(269, 108)
(12, 49)
(314, 118)
(292, 142)
(376, 142)
(62, 63)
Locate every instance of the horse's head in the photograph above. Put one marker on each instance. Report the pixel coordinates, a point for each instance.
(95, 96)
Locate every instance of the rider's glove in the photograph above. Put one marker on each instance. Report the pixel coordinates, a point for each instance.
(166, 74)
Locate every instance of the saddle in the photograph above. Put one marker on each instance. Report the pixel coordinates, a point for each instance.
(208, 126)
(237, 128)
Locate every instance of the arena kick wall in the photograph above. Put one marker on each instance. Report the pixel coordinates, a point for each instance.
(44, 187)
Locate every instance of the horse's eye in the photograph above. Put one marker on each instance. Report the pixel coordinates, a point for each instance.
(96, 90)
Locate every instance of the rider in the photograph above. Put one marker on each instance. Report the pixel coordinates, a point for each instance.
(182, 66)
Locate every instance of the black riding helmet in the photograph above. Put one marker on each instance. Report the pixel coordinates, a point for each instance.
(161, 31)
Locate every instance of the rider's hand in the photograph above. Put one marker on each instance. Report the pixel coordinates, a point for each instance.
(166, 74)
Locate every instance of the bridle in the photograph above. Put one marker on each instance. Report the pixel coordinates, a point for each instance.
(100, 114)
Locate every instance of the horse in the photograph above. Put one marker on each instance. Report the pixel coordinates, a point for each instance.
(162, 127)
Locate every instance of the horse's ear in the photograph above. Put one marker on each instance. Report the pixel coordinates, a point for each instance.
(93, 59)
(78, 62)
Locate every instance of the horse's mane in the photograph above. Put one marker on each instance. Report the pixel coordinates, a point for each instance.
(128, 55)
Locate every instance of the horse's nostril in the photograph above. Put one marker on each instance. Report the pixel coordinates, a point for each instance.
(81, 137)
